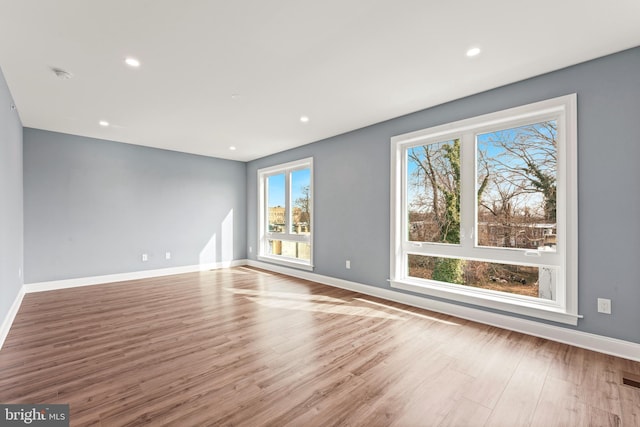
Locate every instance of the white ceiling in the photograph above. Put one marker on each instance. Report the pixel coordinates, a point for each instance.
(345, 64)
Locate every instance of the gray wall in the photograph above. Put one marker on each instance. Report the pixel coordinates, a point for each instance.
(351, 174)
(92, 207)
(11, 239)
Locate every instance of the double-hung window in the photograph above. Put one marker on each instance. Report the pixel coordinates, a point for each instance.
(285, 203)
(484, 210)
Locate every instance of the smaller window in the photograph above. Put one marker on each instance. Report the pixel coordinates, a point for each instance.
(286, 213)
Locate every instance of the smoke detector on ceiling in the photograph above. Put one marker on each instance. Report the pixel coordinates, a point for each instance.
(61, 74)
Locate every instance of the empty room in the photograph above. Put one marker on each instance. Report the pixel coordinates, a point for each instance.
(295, 213)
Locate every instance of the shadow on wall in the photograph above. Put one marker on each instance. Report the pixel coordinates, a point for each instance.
(223, 247)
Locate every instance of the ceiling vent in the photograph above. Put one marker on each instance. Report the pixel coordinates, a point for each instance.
(630, 379)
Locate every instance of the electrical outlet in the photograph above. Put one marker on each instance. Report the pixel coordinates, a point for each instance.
(167, 255)
(145, 257)
(604, 305)
(250, 249)
(348, 264)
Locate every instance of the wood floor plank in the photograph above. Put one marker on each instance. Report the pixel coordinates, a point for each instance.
(559, 405)
(493, 371)
(630, 405)
(519, 399)
(466, 413)
(600, 380)
(435, 399)
(246, 347)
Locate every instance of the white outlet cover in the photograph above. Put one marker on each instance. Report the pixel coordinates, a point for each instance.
(604, 305)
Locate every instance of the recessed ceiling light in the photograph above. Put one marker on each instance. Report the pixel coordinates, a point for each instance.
(132, 62)
(232, 148)
(103, 123)
(304, 119)
(474, 51)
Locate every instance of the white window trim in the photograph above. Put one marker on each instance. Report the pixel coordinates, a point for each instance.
(565, 308)
(263, 233)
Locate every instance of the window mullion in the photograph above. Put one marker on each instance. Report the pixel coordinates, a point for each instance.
(402, 227)
(467, 192)
(264, 213)
(287, 203)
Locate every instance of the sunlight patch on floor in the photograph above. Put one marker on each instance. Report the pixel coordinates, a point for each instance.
(284, 295)
(310, 303)
(411, 313)
(310, 306)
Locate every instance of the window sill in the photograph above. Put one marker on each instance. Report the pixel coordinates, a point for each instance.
(549, 311)
(287, 262)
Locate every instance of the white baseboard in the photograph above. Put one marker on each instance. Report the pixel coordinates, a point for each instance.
(97, 280)
(599, 343)
(11, 315)
(121, 277)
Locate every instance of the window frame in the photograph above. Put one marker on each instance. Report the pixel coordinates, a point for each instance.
(264, 235)
(564, 308)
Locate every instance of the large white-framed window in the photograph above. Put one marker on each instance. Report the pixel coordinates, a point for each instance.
(484, 210)
(285, 201)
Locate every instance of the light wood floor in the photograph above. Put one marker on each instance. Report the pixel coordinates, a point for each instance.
(246, 347)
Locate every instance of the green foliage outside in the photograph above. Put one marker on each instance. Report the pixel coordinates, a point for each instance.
(447, 269)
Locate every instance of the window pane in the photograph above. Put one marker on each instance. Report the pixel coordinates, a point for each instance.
(297, 250)
(433, 192)
(536, 282)
(276, 203)
(516, 178)
(300, 200)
